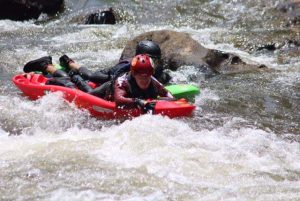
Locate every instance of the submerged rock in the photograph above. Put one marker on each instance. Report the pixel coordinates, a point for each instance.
(180, 49)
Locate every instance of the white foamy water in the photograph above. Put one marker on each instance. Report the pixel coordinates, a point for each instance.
(203, 36)
(151, 158)
(50, 113)
(50, 150)
(84, 35)
(187, 74)
(8, 25)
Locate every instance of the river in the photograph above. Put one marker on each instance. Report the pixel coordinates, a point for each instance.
(242, 143)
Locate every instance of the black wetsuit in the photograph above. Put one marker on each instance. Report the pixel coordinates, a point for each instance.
(121, 68)
(105, 78)
(102, 76)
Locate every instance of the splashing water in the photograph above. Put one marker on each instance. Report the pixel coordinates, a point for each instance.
(241, 144)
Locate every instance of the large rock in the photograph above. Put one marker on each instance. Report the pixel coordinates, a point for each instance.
(102, 17)
(28, 9)
(180, 49)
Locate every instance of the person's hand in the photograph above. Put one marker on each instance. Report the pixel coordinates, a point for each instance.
(140, 103)
(144, 105)
(150, 106)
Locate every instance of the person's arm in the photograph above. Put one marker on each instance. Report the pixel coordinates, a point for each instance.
(121, 93)
(118, 70)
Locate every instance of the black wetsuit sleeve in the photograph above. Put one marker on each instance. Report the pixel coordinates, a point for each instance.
(119, 69)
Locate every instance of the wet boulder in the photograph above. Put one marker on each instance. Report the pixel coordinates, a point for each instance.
(94, 15)
(179, 49)
(20, 10)
(102, 17)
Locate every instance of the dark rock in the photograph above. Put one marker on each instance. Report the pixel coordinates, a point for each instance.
(270, 47)
(103, 17)
(284, 46)
(180, 49)
(20, 10)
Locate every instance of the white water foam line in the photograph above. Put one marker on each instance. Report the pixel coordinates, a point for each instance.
(9, 25)
(228, 161)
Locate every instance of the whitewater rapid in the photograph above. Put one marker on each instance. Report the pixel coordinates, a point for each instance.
(241, 144)
(150, 158)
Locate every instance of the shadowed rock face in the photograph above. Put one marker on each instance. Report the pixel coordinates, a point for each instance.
(180, 49)
(28, 9)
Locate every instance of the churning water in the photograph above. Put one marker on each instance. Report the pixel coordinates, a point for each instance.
(242, 143)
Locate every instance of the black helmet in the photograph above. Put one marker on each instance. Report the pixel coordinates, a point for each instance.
(148, 47)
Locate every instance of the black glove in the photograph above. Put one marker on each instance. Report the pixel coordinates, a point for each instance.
(150, 106)
(140, 103)
(144, 105)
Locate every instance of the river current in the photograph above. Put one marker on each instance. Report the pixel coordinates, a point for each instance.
(242, 143)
